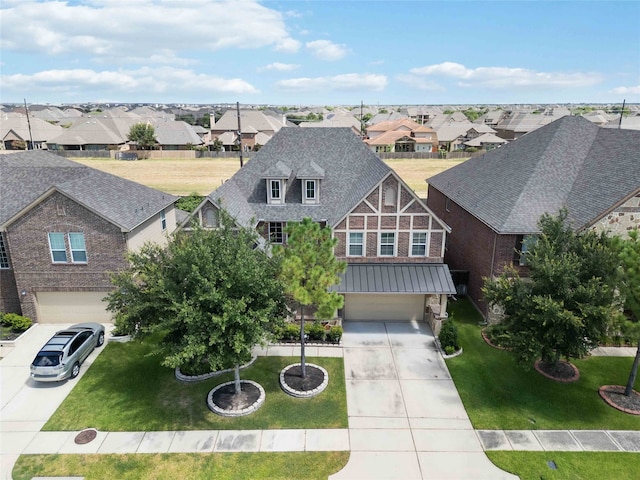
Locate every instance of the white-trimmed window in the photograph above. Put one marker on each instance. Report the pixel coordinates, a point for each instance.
(275, 190)
(419, 244)
(210, 217)
(387, 244)
(356, 244)
(78, 248)
(389, 197)
(163, 220)
(4, 256)
(276, 234)
(57, 248)
(310, 190)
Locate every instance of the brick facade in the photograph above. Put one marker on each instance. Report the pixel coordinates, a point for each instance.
(31, 257)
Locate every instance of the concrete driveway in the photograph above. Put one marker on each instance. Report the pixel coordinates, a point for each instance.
(27, 405)
(406, 419)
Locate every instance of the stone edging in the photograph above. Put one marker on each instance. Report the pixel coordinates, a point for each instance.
(457, 353)
(306, 394)
(490, 343)
(616, 389)
(119, 338)
(197, 378)
(236, 413)
(575, 377)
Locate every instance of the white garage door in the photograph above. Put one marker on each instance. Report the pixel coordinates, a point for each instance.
(363, 306)
(72, 307)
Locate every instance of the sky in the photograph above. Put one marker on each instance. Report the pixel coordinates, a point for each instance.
(320, 52)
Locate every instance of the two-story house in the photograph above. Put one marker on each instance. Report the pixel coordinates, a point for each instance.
(392, 242)
(493, 202)
(63, 228)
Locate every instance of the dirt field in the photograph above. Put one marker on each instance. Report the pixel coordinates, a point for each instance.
(182, 177)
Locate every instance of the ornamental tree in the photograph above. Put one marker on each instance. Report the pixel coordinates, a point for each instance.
(565, 306)
(210, 295)
(309, 269)
(143, 134)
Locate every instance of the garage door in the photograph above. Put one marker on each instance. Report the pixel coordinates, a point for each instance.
(71, 307)
(360, 306)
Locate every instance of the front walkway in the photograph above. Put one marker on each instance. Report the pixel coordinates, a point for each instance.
(406, 419)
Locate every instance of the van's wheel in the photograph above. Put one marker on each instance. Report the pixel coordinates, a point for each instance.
(100, 341)
(75, 370)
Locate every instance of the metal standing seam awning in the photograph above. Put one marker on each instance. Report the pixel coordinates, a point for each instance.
(400, 278)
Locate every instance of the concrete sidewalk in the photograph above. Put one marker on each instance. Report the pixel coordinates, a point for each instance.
(561, 440)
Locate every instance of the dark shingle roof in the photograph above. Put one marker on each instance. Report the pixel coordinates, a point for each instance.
(569, 163)
(26, 176)
(351, 170)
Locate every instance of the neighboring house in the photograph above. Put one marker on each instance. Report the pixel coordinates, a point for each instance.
(403, 135)
(16, 134)
(96, 132)
(257, 128)
(393, 243)
(339, 119)
(516, 124)
(493, 202)
(63, 228)
(172, 135)
(455, 135)
(486, 141)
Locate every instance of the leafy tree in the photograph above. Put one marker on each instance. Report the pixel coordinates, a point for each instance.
(217, 145)
(309, 269)
(629, 257)
(564, 308)
(367, 117)
(448, 111)
(472, 114)
(210, 295)
(143, 134)
(190, 202)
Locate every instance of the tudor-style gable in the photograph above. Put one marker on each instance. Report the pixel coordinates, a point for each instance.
(391, 224)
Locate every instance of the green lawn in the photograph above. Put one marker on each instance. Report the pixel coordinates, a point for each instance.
(570, 465)
(227, 466)
(126, 389)
(499, 394)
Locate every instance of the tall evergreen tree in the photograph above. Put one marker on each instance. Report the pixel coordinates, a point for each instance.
(309, 269)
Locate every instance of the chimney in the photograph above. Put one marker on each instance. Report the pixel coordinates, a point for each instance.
(284, 120)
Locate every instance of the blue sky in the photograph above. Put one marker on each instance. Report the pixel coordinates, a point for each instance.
(319, 52)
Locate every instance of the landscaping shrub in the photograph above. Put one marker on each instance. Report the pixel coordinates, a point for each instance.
(449, 336)
(335, 334)
(498, 335)
(315, 331)
(290, 332)
(16, 322)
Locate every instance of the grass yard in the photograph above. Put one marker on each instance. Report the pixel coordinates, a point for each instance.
(126, 389)
(570, 465)
(203, 175)
(227, 466)
(499, 394)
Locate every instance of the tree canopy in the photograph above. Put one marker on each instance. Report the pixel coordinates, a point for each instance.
(565, 306)
(210, 295)
(309, 269)
(143, 134)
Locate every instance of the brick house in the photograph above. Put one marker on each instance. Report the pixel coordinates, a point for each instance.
(392, 241)
(493, 202)
(63, 228)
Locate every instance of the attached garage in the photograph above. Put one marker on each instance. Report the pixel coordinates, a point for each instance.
(394, 291)
(72, 307)
(366, 306)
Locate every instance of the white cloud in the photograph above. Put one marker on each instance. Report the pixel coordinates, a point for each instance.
(348, 81)
(279, 67)
(626, 90)
(420, 83)
(327, 50)
(117, 29)
(503, 77)
(128, 82)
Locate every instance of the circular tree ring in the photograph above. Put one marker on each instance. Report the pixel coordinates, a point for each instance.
(315, 381)
(223, 400)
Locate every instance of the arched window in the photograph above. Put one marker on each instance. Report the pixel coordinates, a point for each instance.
(210, 217)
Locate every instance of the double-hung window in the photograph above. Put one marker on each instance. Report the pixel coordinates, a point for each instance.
(419, 244)
(78, 248)
(356, 244)
(275, 189)
(57, 248)
(387, 244)
(163, 220)
(276, 234)
(4, 256)
(310, 189)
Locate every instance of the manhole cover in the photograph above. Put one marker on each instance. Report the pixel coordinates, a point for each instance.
(85, 436)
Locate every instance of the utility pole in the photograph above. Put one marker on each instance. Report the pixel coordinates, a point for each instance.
(621, 113)
(361, 119)
(239, 132)
(29, 125)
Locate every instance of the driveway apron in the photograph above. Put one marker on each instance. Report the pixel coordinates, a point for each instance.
(406, 419)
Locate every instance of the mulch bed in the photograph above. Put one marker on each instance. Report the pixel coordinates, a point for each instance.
(312, 380)
(562, 371)
(227, 399)
(615, 397)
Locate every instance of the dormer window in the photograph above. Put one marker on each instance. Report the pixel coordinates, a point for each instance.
(275, 189)
(310, 190)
